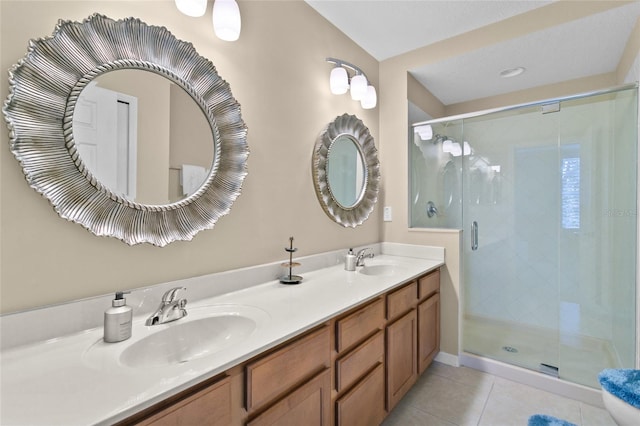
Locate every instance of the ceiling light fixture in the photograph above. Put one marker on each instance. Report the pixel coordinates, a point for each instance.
(512, 72)
(358, 84)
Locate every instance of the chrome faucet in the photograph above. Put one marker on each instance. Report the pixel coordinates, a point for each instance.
(170, 308)
(363, 254)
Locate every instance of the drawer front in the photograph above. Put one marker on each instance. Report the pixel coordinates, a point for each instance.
(364, 404)
(429, 284)
(269, 377)
(356, 363)
(210, 406)
(360, 324)
(400, 301)
(310, 405)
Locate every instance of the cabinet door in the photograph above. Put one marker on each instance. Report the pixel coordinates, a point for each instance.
(364, 404)
(428, 331)
(402, 365)
(309, 405)
(210, 406)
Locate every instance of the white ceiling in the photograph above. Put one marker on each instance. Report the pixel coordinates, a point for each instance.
(387, 28)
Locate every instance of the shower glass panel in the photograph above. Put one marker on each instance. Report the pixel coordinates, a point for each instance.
(551, 191)
(436, 177)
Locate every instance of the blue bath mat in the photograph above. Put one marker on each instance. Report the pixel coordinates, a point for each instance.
(622, 383)
(544, 420)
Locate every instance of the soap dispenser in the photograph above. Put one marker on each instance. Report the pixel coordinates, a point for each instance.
(350, 261)
(117, 320)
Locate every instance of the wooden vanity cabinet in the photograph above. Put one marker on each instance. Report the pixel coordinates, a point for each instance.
(359, 366)
(344, 372)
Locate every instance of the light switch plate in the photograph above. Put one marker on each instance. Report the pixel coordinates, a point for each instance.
(388, 214)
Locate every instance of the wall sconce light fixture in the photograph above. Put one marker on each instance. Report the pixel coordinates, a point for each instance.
(358, 84)
(193, 8)
(226, 16)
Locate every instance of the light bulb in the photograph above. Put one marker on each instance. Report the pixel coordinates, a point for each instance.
(339, 81)
(447, 146)
(358, 87)
(370, 98)
(195, 8)
(226, 20)
(466, 150)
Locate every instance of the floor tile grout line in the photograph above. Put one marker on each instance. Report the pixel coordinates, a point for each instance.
(486, 402)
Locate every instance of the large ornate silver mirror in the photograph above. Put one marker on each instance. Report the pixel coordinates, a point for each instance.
(48, 88)
(346, 171)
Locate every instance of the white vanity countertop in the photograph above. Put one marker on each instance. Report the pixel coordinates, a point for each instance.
(55, 383)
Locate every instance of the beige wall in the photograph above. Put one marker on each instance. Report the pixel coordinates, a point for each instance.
(393, 97)
(277, 72)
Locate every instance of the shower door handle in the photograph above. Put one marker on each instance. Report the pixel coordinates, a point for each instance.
(474, 235)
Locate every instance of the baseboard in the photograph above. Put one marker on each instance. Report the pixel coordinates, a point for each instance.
(448, 359)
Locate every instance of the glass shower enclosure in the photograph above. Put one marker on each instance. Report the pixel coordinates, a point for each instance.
(546, 196)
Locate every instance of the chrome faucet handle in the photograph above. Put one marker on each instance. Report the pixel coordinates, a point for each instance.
(170, 295)
(362, 254)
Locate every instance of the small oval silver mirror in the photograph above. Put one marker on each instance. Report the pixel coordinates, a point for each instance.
(346, 171)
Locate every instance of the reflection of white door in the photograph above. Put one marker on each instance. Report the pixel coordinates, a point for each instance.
(104, 130)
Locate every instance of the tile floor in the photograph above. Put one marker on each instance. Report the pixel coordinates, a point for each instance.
(461, 396)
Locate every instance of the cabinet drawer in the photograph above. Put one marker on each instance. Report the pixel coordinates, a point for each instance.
(364, 404)
(269, 377)
(400, 301)
(210, 406)
(310, 404)
(429, 284)
(356, 363)
(360, 324)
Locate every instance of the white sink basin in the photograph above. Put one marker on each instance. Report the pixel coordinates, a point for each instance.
(381, 269)
(185, 341)
(203, 332)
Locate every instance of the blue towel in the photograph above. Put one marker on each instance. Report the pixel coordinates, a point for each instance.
(622, 383)
(545, 420)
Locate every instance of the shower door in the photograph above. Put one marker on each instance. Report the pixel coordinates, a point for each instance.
(549, 219)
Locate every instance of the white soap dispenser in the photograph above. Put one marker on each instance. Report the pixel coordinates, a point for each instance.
(117, 320)
(350, 261)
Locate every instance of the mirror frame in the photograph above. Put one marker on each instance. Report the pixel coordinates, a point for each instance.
(43, 90)
(351, 126)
